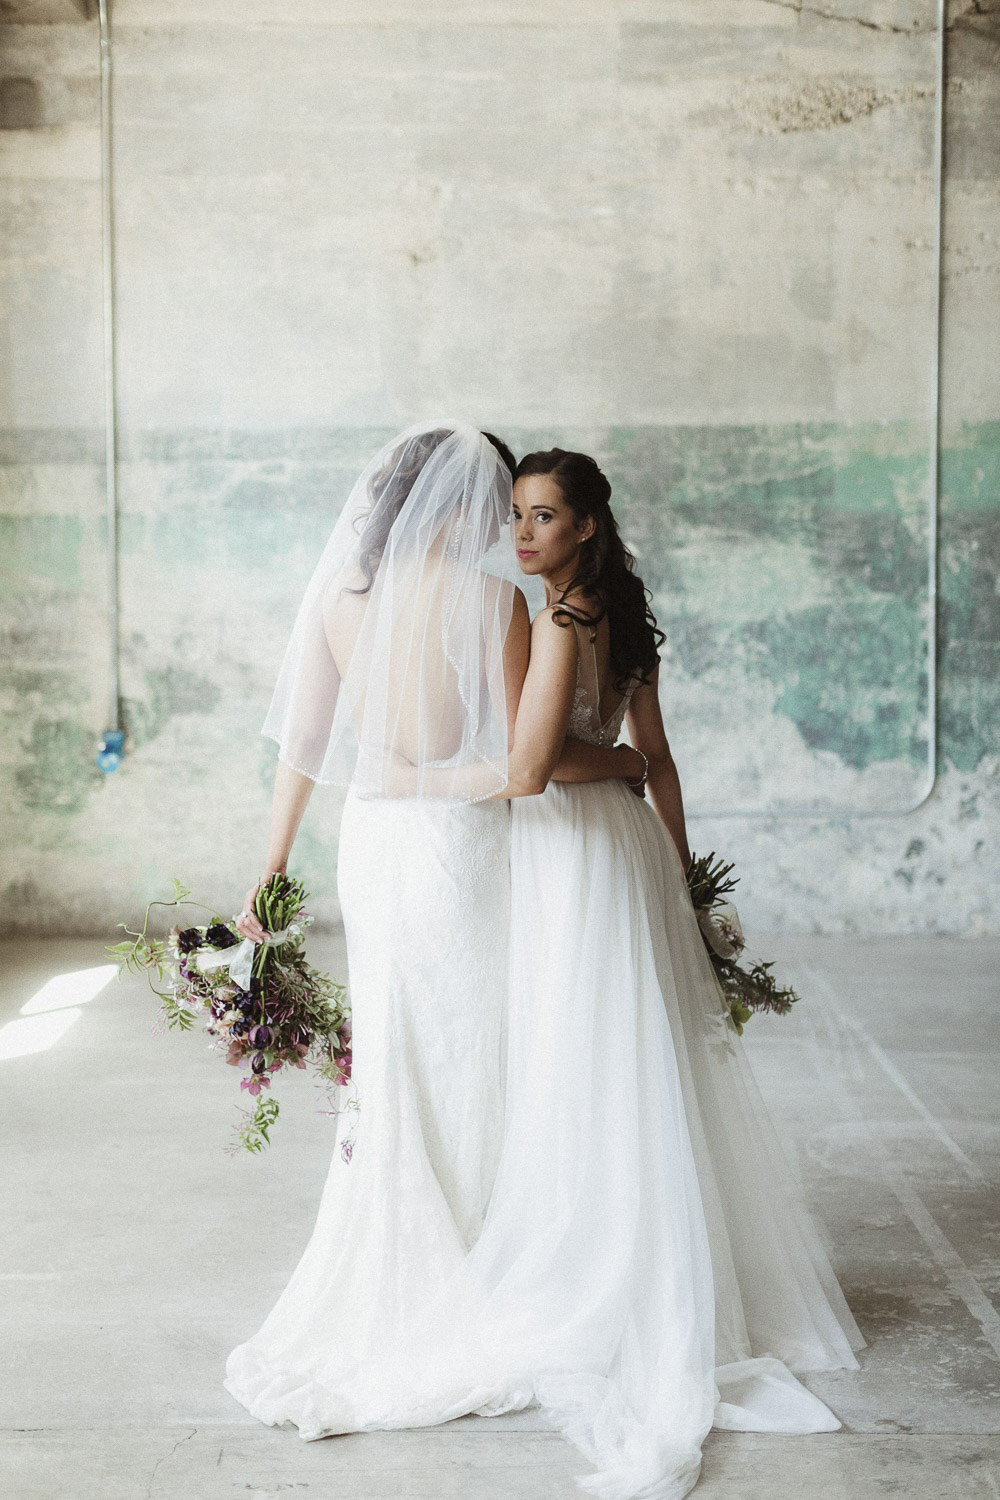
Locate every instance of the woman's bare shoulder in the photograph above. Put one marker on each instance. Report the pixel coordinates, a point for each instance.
(550, 630)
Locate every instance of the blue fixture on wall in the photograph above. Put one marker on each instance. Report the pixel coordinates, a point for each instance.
(111, 750)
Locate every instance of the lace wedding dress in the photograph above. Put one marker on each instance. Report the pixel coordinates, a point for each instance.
(424, 889)
(647, 1268)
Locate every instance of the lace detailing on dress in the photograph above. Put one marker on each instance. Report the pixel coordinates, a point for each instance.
(585, 714)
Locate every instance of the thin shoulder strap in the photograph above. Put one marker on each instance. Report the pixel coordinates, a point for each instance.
(588, 659)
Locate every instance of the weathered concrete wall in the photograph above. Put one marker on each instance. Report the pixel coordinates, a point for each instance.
(691, 236)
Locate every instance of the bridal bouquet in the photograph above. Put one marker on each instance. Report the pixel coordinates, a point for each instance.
(263, 1006)
(746, 990)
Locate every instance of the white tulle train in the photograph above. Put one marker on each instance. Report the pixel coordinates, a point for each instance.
(646, 1268)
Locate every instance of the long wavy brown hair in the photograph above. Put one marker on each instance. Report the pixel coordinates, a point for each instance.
(606, 574)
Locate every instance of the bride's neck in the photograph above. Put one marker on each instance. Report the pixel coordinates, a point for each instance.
(555, 587)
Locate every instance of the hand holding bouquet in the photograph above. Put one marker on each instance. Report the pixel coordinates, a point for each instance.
(264, 1007)
(746, 991)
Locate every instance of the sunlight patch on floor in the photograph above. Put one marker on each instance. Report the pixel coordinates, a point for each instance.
(74, 988)
(35, 1033)
(52, 1010)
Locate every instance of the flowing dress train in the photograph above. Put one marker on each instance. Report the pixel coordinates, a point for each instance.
(647, 1267)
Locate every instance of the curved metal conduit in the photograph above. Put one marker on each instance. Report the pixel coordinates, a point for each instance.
(829, 811)
(814, 811)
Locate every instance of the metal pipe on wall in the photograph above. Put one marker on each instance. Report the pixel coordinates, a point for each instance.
(112, 746)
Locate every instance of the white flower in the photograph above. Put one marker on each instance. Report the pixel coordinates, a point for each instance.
(720, 926)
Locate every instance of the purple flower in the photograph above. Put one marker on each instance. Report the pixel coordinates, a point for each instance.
(220, 936)
(258, 1062)
(189, 940)
(261, 1036)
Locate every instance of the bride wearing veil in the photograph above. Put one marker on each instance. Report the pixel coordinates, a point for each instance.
(401, 680)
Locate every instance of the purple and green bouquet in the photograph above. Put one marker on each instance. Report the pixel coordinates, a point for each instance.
(263, 1005)
(747, 991)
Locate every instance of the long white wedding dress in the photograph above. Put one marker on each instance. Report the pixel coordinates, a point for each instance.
(425, 893)
(647, 1268)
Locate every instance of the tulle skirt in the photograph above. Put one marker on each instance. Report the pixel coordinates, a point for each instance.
(647, 1268)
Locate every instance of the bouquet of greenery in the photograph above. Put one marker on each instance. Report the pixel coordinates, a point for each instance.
(746, 990)
(264, 1007)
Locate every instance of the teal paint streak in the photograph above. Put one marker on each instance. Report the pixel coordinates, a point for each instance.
(796, 557)
(970, 470)
(41, 549)
(865, 710)
(43, 684)
(970, 596)
(170, 690)
(58, 773)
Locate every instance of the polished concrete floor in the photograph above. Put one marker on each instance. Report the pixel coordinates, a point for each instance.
(134, 1252)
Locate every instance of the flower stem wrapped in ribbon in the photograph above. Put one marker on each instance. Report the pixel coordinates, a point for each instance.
(745, 991)
(262, 1004)
(240, 961)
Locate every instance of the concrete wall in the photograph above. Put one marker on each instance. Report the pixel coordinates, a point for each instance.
(691, 236)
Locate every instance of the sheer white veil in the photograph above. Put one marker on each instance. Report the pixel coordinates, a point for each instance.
(393, 679)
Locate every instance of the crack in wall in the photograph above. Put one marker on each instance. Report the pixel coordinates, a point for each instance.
(832, 15)
(987, 9)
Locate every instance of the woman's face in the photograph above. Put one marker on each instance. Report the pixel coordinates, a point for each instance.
(547, 535)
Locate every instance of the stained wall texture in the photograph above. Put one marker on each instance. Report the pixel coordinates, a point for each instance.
(694, 237)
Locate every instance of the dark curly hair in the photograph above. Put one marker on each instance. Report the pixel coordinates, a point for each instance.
(389, 488)
(606, 573)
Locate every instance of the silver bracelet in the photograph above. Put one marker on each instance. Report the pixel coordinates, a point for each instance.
(645, 769)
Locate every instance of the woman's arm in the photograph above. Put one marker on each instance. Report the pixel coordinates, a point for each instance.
(516, 651)
(581, 761)
(540, 751)
(577, 761)
(292, 791)
(544, 707)
(645, 724)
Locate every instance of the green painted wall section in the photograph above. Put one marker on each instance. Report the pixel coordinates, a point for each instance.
(788, 566)
(41, 551)
(793, 557)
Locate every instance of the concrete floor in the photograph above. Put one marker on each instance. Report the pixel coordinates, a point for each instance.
(135, 1252)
